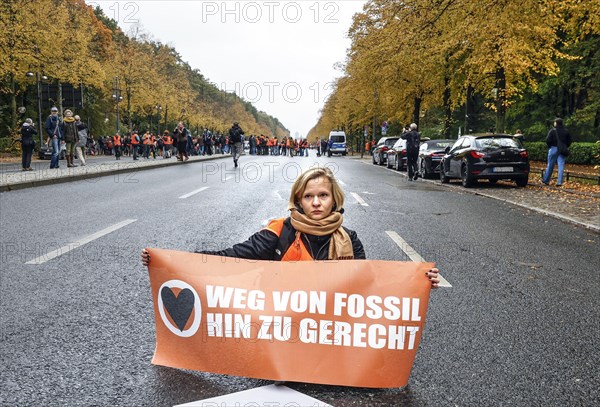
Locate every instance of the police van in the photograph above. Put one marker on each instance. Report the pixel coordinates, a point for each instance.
(337, 143)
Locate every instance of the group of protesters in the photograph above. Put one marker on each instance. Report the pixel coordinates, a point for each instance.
(73, 133)
(264, 145)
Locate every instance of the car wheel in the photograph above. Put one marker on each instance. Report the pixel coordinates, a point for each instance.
(380, 161)
(328, 154)
(423, 170)
(522, 181)
(388, 163)
(443, 177)
(467, 178)
(373, 158)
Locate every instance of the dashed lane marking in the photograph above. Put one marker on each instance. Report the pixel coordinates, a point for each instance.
(78, 243)
(193, 193)
(342, 183)
(413, 255)
(276, 193)
(359, 199)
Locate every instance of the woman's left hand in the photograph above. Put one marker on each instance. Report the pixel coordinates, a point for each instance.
(434, 277)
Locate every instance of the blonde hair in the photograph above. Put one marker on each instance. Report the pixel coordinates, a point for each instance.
(314, 173)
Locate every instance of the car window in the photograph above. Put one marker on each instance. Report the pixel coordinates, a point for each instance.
(337, 139)
(399, 143)
(457, 145)
(390, 142)
(439, 145)
(423, 147)
(492, 143)
(466, 143)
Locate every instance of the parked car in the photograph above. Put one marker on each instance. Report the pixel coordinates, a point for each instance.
(396, 156)
(45, 152)
(431, 153)
(486, 156)
(380, 151)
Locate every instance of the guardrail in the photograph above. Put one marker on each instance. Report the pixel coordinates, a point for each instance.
(568, 175)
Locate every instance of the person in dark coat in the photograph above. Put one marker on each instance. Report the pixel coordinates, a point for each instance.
(54, 132)
(27, 144)
(413, 139)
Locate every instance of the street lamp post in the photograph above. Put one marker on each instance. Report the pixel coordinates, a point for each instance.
(39, 100)
(158, 109)
(117, 98)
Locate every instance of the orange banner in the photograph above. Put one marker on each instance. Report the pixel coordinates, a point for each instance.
(351, 322)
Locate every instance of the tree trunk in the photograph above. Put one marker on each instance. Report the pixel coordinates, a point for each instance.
(417, 110)
(500, 96)
(13, 103)
(447, 108)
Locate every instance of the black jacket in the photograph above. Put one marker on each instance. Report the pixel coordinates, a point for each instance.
(562, 133)
(263, 245)
(412, 141)
(27, 133)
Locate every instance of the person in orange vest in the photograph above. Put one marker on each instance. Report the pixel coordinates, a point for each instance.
(135, 144)
(313, 231)
(167, 144)
(153, 145)
(368, 147)
(146, 144)
(117, 145)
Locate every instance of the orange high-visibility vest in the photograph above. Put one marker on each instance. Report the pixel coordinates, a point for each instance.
(297, 250)
(167, 140)
(117, 140)
(134, 139)
(145, 139)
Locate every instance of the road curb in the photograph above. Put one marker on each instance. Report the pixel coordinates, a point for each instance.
(564, 218)
(96, 174)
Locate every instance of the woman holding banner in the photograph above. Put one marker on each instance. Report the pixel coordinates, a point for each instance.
(313, 231)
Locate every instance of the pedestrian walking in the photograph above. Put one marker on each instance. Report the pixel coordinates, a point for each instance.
(236, 135)
(558, 141)
(54, 132)
(413, 139)
(71, 136)
(313, 231)
(27, 144)
(82, 136)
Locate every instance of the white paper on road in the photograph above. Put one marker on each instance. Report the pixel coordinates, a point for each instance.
(270, 395)
(413, 255)
(78, 243)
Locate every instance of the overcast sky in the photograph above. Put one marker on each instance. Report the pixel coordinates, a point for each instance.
(279, 55)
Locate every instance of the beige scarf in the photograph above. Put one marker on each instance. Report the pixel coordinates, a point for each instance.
(340, 246)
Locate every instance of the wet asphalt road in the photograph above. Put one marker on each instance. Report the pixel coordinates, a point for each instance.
(520, 326)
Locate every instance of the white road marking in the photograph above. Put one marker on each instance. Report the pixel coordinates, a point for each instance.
(413, 255)
(193, 193)
(359, 199)
(78, 243)
(342, 183)
(276, 193)
(228, 178)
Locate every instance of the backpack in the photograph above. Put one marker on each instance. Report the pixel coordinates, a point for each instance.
(412, 141)
(234, 135)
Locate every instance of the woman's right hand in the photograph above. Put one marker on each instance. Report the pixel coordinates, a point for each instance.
(145, 258)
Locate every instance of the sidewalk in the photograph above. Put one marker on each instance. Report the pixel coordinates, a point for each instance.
(43, 175)
(572, 206)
